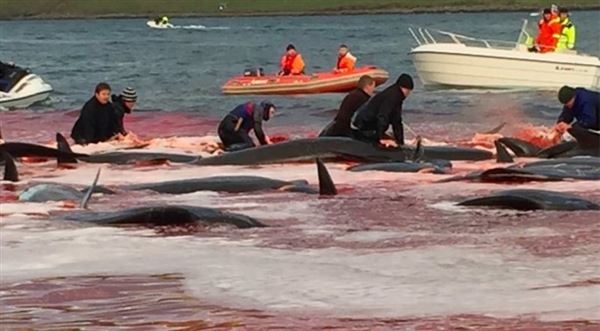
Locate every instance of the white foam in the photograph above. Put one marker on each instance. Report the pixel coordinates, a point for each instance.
(425, 281)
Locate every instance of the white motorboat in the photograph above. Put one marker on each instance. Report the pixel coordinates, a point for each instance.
(20, 88)
(155, 25)
(455, 60)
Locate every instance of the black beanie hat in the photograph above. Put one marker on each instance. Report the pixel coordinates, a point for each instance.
(405, 81)
(547, 11)
(565, 94)
(290, 46)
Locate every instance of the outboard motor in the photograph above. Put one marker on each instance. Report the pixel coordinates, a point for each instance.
(254, 72)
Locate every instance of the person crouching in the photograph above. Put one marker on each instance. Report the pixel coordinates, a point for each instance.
(235, 127)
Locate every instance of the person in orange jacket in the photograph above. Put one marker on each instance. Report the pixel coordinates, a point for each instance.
(291, 62)
(345, 61)
(549, 27)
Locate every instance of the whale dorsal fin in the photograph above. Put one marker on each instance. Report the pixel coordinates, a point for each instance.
(502, 155)
(10, 168)
(88, 193)
(63, 145)
(326, 185)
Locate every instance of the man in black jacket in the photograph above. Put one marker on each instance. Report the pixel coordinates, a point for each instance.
(383, 110)
(97, 119)
(340, 127)
(123, 104)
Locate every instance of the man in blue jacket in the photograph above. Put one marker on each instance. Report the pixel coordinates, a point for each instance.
(583, 107)
(235, 127)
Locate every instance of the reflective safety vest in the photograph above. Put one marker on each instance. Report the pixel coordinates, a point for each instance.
(566, 39)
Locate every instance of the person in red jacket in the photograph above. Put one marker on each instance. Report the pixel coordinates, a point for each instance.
(291, 62)
(345, 61)
(550, 28)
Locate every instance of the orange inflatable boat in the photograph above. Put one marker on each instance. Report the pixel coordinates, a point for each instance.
(324, 82)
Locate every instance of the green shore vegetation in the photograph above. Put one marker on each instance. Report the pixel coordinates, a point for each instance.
(14, 9)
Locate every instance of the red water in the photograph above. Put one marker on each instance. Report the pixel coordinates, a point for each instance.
(148, 302)
(159, 302)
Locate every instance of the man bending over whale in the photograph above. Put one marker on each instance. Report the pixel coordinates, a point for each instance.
(97, 119)
(340, 127)
(583, 106)
(235, 127)
(383, 110)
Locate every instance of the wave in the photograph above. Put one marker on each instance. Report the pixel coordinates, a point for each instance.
(200, 27)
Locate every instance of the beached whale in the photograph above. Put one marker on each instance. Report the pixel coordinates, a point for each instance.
(582, 168)
(436, 167)
(163, 215)
(43, 192)
(525, 199)
(523, 148)
(239, 184)
(337, 147)
(18, 149)
(415, 164)
(122, 157)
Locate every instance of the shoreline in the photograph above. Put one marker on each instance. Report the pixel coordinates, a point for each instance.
(352, 12)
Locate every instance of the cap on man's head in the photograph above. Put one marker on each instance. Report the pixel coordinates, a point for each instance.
(343, 46)
(565, 94)
(405, 81)
(129, 94)
(547, 11)
(290, 46)
(563, 10)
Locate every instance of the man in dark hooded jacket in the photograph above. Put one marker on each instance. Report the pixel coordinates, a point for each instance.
(123, 104)
(235, 127)
(97, 119)
(384, 109)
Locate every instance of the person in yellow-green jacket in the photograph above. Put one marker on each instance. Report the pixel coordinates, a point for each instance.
(566, 38)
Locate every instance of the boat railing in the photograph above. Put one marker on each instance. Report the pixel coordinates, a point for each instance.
(424, 36)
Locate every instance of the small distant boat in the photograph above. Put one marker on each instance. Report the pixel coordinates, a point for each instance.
(155, 25)
(454, 60)
(323, 82)
(21, 88)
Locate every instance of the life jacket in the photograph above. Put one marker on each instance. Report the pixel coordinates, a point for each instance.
(548, 35)
(566, 39)
(292, 64)
(345, 63)
(246, 113)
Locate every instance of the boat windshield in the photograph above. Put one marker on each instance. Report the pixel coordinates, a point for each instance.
(424, 36)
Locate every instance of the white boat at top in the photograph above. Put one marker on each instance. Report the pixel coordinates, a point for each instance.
(460, 61)
(155, 25)
(20, 88)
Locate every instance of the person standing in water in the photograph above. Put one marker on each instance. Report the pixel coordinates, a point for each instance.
(97, 119)
(384, 109)
(340, 127)
(582, 107)
(123, 104)
(235, 127)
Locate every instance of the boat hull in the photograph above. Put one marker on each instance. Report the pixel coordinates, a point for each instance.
(303, 84)
(153, 25)
(29, 90)
(463, 66)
